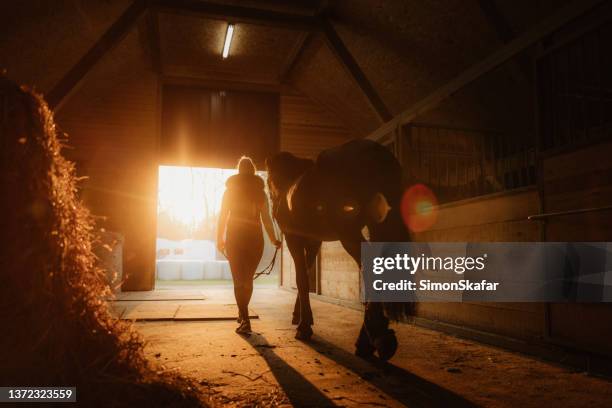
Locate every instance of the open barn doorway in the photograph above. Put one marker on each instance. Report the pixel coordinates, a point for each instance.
(188, 206)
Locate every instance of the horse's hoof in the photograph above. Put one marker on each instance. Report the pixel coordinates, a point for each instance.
(386, 345)
(363, 348)
(295, 320)
(303, 334)
(364, 352)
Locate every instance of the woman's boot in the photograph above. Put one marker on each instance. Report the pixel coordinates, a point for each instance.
(245, 327)
(245, 324)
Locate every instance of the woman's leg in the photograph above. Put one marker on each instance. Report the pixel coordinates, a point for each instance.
(236, 267)
(244, 253)
(244, 285)
(238, 294)
(246, 293)
(251, 255)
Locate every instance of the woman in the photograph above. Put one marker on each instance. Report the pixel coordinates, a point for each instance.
(244, 208)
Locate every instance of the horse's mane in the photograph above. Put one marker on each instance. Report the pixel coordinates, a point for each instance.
(284, 168)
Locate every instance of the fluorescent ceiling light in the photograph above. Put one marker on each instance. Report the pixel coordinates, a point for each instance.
(228, 40)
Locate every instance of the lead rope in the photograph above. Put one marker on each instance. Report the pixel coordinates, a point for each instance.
(268, 269)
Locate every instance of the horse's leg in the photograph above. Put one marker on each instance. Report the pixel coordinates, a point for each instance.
(363, 345)
(376, 326)
(312, 250)
(295, 319)
(298, 253)
(375, 333)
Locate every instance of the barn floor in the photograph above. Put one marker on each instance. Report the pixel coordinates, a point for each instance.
(271, 368)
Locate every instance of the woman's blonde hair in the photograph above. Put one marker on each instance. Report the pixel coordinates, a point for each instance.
(246, 165)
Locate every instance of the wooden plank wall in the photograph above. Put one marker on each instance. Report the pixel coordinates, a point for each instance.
(575, 180)
(306, 128)
(112, 126)
(499, 217)
(339, 274)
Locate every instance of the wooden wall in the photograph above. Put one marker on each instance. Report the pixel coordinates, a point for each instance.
(577, 180)
(339, 274)
(214, 127)
(495, 218)
(112, 124)
(306, 128)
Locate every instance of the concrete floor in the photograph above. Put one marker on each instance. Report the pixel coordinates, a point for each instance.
(271, 368)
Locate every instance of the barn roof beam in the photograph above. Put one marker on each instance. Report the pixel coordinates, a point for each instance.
(238, 14)
(113, 36)
(565, 15)
(500, 24)
(348, 62)
(294, 56)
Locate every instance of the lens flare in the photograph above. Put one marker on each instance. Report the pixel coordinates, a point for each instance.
(419, 208)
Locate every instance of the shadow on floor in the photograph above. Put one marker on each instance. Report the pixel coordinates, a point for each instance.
(398, 383)
(299, 390)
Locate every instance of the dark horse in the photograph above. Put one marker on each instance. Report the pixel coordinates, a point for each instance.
(355, 185)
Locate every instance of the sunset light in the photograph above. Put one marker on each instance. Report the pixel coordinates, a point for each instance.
(190, 195)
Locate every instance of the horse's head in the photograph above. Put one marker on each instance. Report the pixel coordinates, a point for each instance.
(283, 170)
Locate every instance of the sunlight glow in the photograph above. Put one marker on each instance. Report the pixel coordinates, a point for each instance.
(189, 199)
(191, 195)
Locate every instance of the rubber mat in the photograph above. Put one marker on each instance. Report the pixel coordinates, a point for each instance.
(155, 311)
(210, 312)
(161, 295)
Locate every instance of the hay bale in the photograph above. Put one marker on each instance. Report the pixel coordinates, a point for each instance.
(57, 328)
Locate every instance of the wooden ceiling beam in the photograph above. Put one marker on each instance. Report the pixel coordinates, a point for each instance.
(348, 62)
(293, 57)
(500, 24)
(238, 14)
(113, 36)
(497, 20)
(502, 55)
(220, 84)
